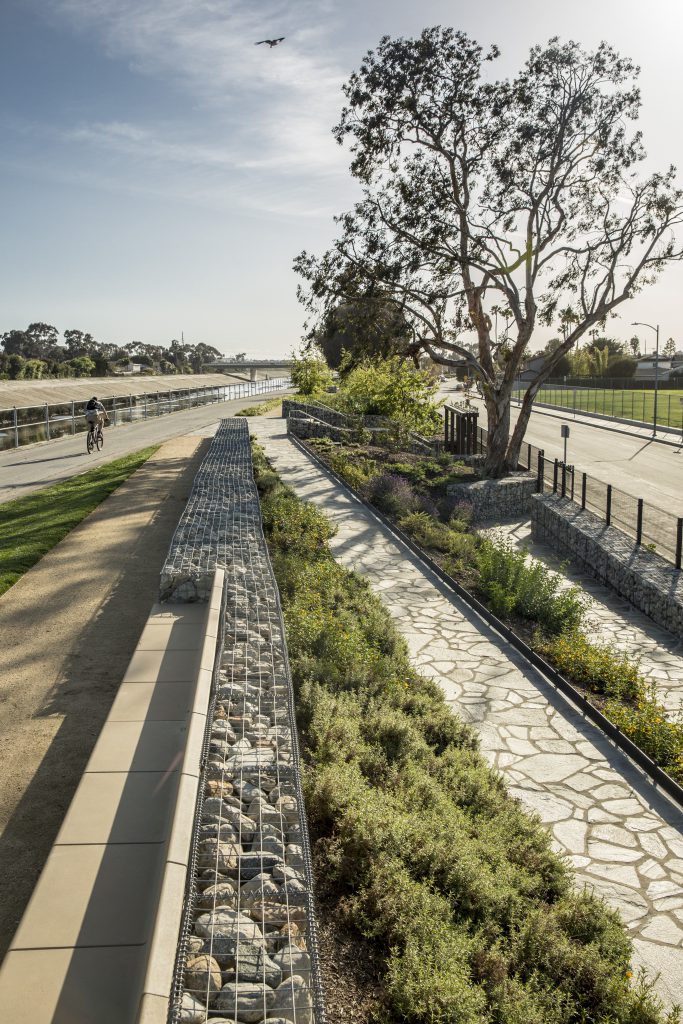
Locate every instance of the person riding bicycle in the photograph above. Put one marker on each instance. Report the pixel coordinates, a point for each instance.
(95, 414)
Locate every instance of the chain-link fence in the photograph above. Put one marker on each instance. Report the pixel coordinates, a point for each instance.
(19, 426)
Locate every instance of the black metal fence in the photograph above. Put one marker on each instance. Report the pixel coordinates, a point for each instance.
(648, 525)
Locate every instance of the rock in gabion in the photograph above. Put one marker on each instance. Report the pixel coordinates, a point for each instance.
(250, 954)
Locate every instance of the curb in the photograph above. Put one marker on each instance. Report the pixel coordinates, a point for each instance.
(656, 775)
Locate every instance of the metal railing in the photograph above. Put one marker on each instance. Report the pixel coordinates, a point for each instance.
(649, 526)
(26, 425)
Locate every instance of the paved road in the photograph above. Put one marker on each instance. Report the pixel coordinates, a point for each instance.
(622, 838)
(23, 470)
(635, 464)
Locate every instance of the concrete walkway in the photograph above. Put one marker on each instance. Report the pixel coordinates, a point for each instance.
(68, 629)
(612, 620)
(622, 838)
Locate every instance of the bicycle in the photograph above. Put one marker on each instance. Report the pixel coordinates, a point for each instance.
(95, 439)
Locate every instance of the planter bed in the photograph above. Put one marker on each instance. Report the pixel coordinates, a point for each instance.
(601, 709)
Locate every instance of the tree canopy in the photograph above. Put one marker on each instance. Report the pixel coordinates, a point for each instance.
(519, 195)
(37, 352)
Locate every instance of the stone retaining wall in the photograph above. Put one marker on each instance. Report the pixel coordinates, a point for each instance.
(304, 426)
(507, 498)
(248, 950)
(643, 577)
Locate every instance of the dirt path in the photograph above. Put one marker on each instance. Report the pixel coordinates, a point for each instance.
(67, 631)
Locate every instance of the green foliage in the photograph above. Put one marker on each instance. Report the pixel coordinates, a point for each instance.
(263, 407)
(310, 375)
(647, 722)
(515, 585)
(432, 476)
(392, 494)
(592, 665)
(393, 388)
(428, 532)
(31, 526)
(454, 882)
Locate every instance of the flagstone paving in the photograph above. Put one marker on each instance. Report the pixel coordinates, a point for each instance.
(613, 620)
(622, 837)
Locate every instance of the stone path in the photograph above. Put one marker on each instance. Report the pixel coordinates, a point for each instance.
(621, 836)
(613, 620)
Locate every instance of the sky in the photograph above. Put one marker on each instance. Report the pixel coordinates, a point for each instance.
(159, 172)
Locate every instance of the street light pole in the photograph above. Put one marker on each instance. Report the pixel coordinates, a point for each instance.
(656, 330)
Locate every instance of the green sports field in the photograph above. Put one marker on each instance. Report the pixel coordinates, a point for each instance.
(629, 405)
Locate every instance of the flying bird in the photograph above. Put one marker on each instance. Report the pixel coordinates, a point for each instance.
(271, 42)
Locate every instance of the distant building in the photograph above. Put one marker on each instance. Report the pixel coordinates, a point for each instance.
(668, 367)
(532, 369)
(128, 369)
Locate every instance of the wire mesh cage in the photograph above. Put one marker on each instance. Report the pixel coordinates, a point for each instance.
(248, 949)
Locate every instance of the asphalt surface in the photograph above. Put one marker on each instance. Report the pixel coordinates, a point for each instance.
(27, 469)
(631, 461)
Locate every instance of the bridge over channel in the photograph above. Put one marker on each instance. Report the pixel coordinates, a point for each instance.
(252, 366)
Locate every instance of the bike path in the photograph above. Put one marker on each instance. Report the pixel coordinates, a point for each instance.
(29, 468)
(622, 837)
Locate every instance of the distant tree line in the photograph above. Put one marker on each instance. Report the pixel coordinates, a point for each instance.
(37, 352)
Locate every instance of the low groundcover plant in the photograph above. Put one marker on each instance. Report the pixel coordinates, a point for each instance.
(476, 917)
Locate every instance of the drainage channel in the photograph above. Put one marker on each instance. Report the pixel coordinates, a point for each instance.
(247, 949)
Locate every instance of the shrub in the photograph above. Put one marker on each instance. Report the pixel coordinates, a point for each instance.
(310, 375)
(392, 494)
(593, 665)
(455, 883)
(514, 584)
(393, 388)
(461, 514)
(649, 725)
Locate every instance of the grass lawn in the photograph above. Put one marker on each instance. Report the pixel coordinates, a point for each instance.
(261, 408)
(631, 405)
(31, 526)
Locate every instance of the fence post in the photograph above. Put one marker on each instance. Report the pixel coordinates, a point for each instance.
(73, 417)
(583, 490)
(540, 472)
(555, 469)
(47, 420)
(113, 408)
(144, 411)
(573, 475)
(528, 455)
(639, 522)
(15, 424)
(130, 406)
(564, 480)
(679, 542)
(608, 510)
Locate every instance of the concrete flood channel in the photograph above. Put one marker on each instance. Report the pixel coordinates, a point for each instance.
(247, 949)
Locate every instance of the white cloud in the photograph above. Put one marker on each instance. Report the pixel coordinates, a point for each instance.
(257, 109)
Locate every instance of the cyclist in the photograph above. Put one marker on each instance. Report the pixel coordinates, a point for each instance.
(95, 414)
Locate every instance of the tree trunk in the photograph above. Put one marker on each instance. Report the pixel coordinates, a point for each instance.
(498, 411)
(520, 430)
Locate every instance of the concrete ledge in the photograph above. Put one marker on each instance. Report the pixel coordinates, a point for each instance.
(158, 980)
(90, 939)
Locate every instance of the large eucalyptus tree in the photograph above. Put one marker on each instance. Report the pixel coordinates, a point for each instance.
(480, 195)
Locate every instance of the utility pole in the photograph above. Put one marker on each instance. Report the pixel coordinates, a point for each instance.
(656, 330)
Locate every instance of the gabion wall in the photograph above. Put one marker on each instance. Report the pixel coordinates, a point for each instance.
(248, 948)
